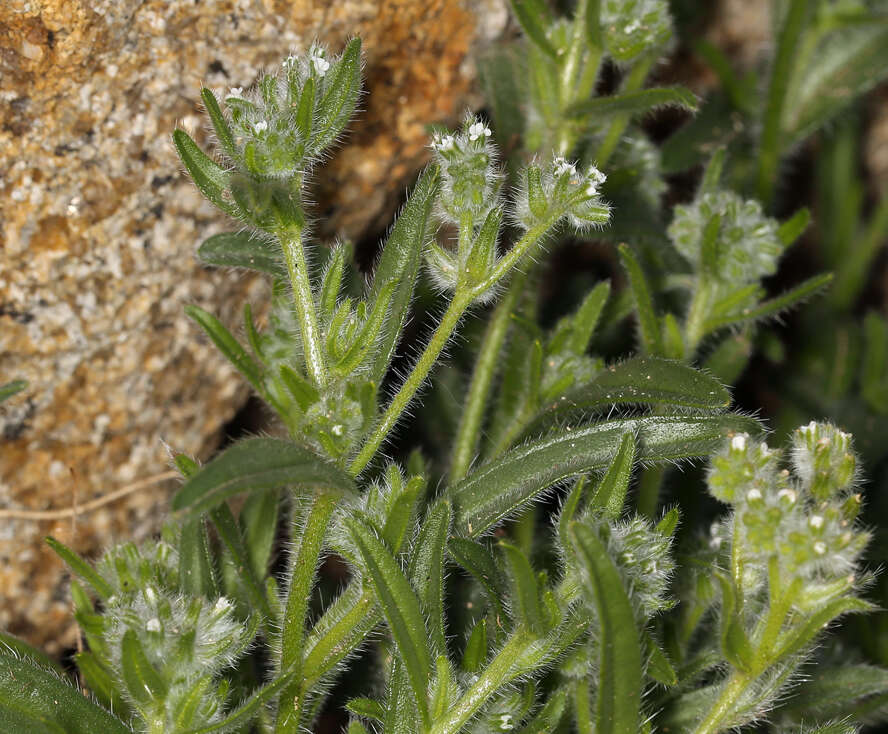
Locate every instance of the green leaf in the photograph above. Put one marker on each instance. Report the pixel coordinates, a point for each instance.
(365, 339)
(499, 488)
(790, 230)
(399, 263)
(586, 318)
(648, 381)
(229, 346)
(11, 645)
(804, 634)
(243, 250)
(635, 103)
(829, 692)
(534, 18)
(12, 388)
(593, 24)
(142, 680)
(331, 283)
(475, 654)
(712, 173)
(525, 596)
(401, 608)
(648, 322)
(610, 494)
(305, 108)
(400, 514)
(482, 566)
(81, 568)
(220, 124)
(774, 306)
(243, 714)
(197, 574)
(620, 671)
(98, 679)
(258, 464)
(366, 708)
(338, 103)
(426, 570)
(659, 667)
(210, 178)
(669, 522)
(735, 643)
(548, 717)
(845, 65)
(39, 701)
(259, 521)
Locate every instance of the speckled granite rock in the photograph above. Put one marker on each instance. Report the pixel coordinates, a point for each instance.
(98, 226)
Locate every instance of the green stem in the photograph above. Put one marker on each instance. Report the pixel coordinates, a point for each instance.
(304, 565)
(634, 82)
(724, 706)
(421, 369)
(583, 706)
(469, 430)
(291, 244)
(494, 677)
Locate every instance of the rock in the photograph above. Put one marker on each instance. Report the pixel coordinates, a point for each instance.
(99, 226)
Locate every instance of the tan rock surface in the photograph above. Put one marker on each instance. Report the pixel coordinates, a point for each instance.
(98, 227)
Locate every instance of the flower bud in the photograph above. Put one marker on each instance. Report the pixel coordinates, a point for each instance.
(823, 459)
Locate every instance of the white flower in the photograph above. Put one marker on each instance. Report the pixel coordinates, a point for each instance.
(236, 92)
(443, 142)
(816, 522)
(753, 495)
(632, 27)
(477, 129)
(222, 604)
(260, 126)
(153, 625)
(563, 166)
(788, 494)
(820, 547)
(321, 65)
(738, 443)
(594, 179)
(506, 722)
(289, 62)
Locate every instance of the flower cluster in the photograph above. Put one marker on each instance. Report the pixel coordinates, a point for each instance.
(644, 558)
(470, 175)
(806, 521)
(558, 190)
(745, 247)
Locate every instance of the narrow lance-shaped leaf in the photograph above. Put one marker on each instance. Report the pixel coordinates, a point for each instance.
(338, 104)
(399, 263)
(33, 699)
(426, 571)
(610, 494)
(525, 591)
(533, 15)
(401, 608)
(620, 672)
(243, 250)
(142, 680)
(220, 124)
(258, 464)
(587, 316)
(635, 103)
(648, 381)
(80, 567)
(209, 177)
(480, 563)
(774, 306)
(11, 388)
(499, 488)
(229, 346)
(648, 322)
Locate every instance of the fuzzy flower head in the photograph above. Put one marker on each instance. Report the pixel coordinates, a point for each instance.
(558, 190)
(806, 519)
(279, 127)
(633, 27)
(747, 245)
(471, 176)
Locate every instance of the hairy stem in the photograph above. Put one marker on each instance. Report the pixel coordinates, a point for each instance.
(724, 706)
(304, 565)
(417, 376)
(291, 243)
